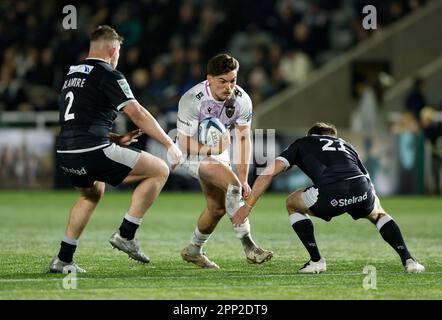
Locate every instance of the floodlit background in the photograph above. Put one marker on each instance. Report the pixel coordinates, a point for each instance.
(301, 61)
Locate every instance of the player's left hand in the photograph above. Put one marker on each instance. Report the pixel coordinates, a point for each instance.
(174, 155)
(241, 215)
(130, 137)
(246, 190)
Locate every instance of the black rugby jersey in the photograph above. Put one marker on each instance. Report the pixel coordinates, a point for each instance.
(92, 94)
(324, 159)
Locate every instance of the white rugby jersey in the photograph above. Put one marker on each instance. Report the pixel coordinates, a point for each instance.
(198, 103)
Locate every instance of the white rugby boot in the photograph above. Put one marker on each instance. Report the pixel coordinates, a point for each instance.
(257, 255)
(200, 260)
(131, 247)
(412, 266)
(58, 266)
(314, 267)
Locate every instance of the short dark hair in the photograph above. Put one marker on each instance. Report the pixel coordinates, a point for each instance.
(106, 33)
(221, 64)
(323, 128)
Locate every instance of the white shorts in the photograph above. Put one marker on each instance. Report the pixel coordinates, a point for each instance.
(191, 163)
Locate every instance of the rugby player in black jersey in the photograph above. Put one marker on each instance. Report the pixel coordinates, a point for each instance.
(92, 94)
(340, 184)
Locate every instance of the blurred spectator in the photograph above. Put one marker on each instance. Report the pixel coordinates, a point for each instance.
(259, 86)
(187, 22)
(407, 123)
(409, 148)
(302, 40)
(415, 99)
(295, 66)
(12, 92)
(433, 134)
(180, 35)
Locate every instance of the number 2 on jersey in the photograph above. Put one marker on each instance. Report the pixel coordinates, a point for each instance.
(69, 116)
(329, 142)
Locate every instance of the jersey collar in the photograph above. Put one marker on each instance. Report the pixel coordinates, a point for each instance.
(209, 93)
(97, 59)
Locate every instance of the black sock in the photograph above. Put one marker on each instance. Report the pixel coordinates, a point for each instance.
(304, 230)
(127, 229)
(66, 252)
(392, 234)
(247, 242)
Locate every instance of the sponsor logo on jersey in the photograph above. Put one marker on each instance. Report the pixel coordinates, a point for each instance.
(78, 172)
(125, 87)
(199, 95)
(348, 201)
(187, 123)
(82, 68)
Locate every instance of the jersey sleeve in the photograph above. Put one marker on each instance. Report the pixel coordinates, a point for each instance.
(289, 155)
(246, 113)
(358, 160)
(188, 115)
(117, 89)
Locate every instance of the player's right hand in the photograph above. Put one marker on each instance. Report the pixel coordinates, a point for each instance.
(241, 215)
(174, 155)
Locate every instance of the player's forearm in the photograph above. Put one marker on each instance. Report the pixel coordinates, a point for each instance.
(259, 187)
(146, 122)
(264, 180)
(243, 171)
(243, 156)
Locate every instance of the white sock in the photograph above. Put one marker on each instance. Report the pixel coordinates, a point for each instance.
(243, 229)
(197, 241)
(70, 241)
(383, 221)
(133, 219)
(198, 238)
(234, 200)
(295, 217)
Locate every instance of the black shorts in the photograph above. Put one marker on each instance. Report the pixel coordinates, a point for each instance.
(355, 196)
(110, 164)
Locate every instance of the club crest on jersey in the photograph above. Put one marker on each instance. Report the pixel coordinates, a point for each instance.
(229, 106)
(230, 110)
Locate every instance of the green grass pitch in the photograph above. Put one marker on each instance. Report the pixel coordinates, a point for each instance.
(32, 225)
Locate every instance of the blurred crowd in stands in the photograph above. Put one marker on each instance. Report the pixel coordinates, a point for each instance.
(167, 43)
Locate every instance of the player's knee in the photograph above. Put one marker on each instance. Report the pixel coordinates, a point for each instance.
(217, 212)
(375, 216)
(165, 171)
(95, 193)
(288, 205)
(162, 171)
(291, 204)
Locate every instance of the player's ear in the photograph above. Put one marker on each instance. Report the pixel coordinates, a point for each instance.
(209, 78)
(112, 51)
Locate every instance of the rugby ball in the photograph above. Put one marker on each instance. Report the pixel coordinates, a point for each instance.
(210, 131)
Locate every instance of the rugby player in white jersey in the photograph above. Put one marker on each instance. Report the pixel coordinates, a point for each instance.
(219, 96)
